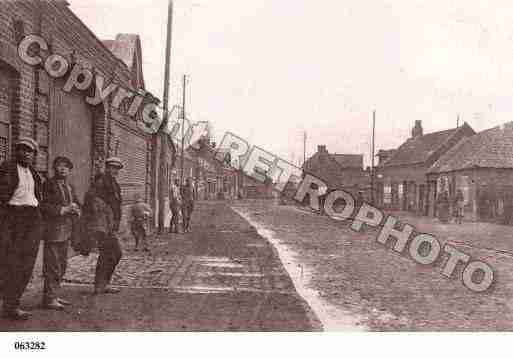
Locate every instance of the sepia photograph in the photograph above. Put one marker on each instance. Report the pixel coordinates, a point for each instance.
(261, 167)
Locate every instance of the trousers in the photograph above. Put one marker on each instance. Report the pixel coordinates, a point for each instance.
(139, 232)
(109, 257)
(55, 261)
(187, 208)
(175, 214)
(20, 235)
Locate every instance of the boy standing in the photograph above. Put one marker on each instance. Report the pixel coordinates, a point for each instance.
(140, 213)
(59, 205)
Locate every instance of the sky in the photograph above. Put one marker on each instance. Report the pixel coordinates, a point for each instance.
(269, 71)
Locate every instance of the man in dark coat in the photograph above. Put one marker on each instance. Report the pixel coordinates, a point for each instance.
(20, 225)
(187, 204)
(60, 205)
(102, 215)
(175, 205)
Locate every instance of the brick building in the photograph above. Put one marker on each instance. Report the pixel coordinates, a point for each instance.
(213, 179)
(338, 171)
(384, 155)
(481, 166)
(254, 189)
(401, 180)
(34, 104)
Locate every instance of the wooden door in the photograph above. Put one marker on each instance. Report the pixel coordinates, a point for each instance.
(71, 133)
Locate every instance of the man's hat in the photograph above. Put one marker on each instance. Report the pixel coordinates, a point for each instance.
(63, 159)
(27, 141)
(114, 161)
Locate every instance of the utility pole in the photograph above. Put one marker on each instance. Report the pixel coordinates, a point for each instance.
(458, 121)
(164, 138)
(372, 155)
(304, 148)
(183, 125)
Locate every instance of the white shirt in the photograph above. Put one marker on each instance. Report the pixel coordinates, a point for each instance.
(24, 195)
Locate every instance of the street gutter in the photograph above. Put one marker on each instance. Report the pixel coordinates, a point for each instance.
(331, 317)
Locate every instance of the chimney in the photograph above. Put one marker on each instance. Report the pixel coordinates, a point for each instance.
(322, 148)
(417, 131)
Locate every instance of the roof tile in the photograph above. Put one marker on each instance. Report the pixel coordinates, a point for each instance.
(492, 148)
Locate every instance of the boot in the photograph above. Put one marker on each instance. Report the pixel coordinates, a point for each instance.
(15, 314)
(53, 304)
(63, 301)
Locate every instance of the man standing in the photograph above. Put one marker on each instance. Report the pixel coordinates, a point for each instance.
(102, 214)
(187, 204)
(20, 225)
(175, 204)
(60, 204)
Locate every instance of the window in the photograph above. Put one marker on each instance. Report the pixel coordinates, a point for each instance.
(4, 141)
(464, 185)
(387, 194)
(400, 192)
(4, 134)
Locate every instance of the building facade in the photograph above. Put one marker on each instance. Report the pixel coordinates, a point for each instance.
(401, 180)
(338, 171)
(213, 179)
(34, 104)
(254, 189)
(481, 167)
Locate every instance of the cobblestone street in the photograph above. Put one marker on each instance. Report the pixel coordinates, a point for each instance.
(222, 276)
(388, 291)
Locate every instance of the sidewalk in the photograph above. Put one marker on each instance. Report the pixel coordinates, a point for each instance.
(221, 277)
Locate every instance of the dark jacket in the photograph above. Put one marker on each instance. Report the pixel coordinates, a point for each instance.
(187, 195)
(9, 181)
(107, 189)
(58, 227)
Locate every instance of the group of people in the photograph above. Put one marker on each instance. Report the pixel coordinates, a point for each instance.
(32, 210)
(181, 202)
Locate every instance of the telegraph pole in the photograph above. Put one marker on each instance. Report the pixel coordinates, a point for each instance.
(164, 139)
(372, 155)
(304, 148)
(183, 125)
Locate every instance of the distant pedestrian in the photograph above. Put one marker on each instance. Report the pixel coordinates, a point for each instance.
(60, 204)
(20, 225)
(175, 205)
(459, 204)
(443, 207)
(187, 193)
(102, 215)
(140, 214)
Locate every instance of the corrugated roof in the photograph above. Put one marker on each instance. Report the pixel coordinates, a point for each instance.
(418, 150)
(348, 160)
(492, 148)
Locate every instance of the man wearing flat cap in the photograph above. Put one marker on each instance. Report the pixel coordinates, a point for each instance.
(102, 214)
(60, 209)
(20, 225)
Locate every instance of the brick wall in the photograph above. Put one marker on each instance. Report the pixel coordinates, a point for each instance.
(324, 167)
(31, 99)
